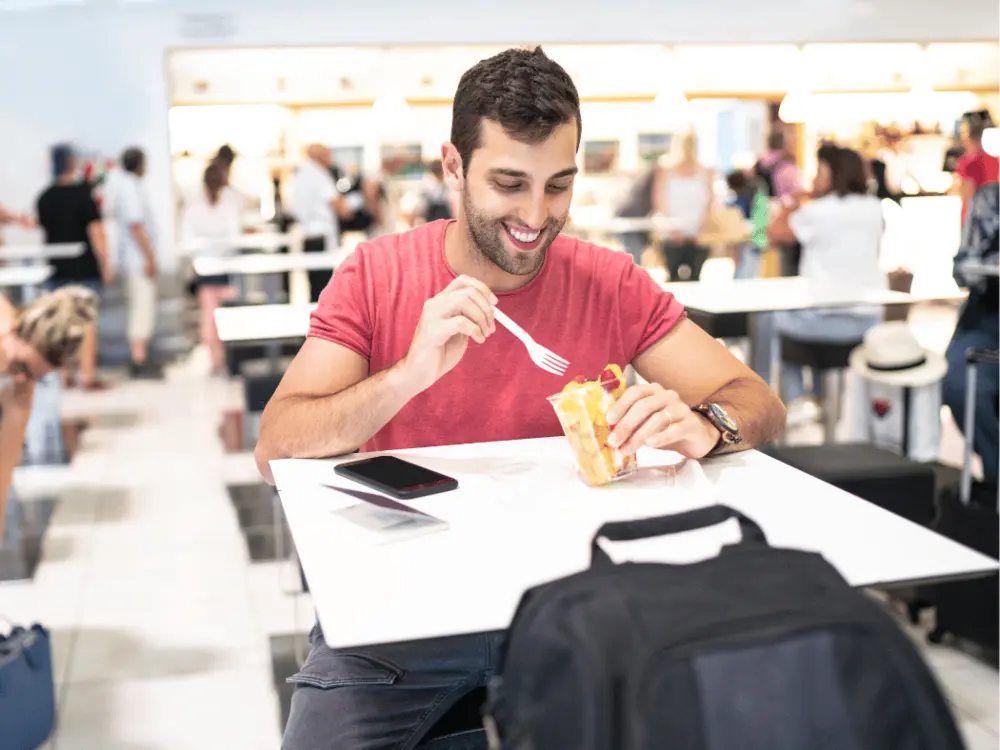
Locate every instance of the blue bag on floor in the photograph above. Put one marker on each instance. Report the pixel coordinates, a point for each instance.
(27, 690)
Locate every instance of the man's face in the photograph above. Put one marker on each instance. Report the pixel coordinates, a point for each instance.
(24, 362)
(517, 195)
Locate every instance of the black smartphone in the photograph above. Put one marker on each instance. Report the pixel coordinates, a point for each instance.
(396, 477)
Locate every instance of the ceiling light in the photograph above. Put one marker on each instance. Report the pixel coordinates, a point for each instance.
(795, 107)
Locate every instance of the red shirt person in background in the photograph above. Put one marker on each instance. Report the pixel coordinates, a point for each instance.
(975, 168)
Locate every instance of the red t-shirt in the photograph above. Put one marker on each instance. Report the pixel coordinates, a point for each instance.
(590, 305)
(978, 168)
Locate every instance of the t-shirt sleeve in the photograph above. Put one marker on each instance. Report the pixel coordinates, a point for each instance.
(342, 314)
(130, 203)
(804, 222)
(648, 312)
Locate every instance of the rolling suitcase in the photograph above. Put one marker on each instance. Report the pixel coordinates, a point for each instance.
(968, 514)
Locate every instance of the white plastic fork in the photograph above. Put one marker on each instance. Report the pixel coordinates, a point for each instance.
(546, 359)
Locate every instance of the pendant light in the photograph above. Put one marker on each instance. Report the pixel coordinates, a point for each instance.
(796, 106)
(671, 108)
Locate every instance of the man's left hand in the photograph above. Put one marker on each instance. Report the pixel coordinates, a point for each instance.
(650, 415)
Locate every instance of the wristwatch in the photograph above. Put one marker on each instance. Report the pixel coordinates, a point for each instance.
(729, 431)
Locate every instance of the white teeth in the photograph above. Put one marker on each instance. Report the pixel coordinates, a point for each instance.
(523, 236)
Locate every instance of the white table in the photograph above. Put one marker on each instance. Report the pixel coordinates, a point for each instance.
(38, 252)
(254, 264)
(749, 296)
(251, 324)
(521, 517)
(29, 278)
(263, 241)
(732, 309)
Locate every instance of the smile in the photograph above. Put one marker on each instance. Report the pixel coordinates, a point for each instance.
(522, 237)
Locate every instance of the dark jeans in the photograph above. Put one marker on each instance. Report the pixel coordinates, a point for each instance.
(976, 330)
(388, 697)
(685, 254)
(317, 279)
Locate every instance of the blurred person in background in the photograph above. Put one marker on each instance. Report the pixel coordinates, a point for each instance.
(363, 202)
(840, 230)
(212, 214)
(779, 174)
(978, 327)
(752, 202)
(136, 256)
(975, 168)
(317, 206)
(45, 335)
(777, 169)
(9, 217)
(637, 204)
(67, 213)
(683, 193)
(435, 200)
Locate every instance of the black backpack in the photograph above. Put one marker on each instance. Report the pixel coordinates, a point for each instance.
(759, 648)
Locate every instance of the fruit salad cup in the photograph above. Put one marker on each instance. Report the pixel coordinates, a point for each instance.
(582, 407)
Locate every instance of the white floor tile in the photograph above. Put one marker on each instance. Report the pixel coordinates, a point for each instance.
(209, 710)
(975, 690)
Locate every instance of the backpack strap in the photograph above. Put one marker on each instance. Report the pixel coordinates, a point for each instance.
(645, 528)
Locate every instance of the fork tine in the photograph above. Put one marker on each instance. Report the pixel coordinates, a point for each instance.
(556, 358)
(550, 357)
(546, 365)
(555, 367)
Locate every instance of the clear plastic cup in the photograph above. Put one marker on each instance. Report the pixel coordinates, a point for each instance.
(583, 413)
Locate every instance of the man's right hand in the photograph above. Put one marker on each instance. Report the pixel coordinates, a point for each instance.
(150, 268)
(463, 310)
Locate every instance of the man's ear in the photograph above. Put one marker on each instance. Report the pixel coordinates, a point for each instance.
(451, 164)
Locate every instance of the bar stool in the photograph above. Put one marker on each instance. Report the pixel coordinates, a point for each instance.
(828, 360)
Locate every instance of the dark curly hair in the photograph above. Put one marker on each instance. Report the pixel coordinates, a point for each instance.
(523, 90)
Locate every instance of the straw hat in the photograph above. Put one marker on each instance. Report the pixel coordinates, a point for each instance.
(890, 354)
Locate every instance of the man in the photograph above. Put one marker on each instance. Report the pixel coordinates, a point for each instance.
(978, 328)
(68, 213)
(45, 335)
(403, 351)
(317, 205)
(136, 257)
(975, 167)
(9, 217)
(779, 175)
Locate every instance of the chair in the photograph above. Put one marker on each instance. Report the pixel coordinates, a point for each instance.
(828, 359)
(886, 479)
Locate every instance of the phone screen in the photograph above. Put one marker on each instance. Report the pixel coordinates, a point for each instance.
(395, 474)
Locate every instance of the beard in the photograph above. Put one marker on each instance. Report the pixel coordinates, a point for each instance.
(487, 234)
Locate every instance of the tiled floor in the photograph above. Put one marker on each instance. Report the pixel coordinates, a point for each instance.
(161, 623)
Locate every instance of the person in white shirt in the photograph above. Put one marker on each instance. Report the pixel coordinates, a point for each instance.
(211, 219)
(840, 232)
(317, 205)
(136, 256)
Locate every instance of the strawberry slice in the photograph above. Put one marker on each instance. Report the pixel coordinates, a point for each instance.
(609, 380)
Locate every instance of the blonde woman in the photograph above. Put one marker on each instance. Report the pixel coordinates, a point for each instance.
(682, 191)
(44, 336)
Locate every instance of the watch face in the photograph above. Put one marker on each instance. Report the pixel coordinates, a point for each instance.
(724, 420)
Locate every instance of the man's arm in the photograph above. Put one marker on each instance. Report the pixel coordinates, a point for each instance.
(699, 369)
(138, 232)
(13, 426)
(99, 241)
(327, 405)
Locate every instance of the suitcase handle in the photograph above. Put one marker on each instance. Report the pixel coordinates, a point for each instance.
(645, 528)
